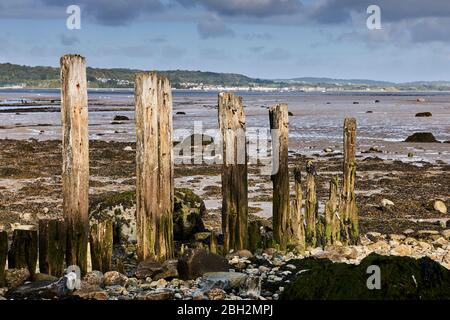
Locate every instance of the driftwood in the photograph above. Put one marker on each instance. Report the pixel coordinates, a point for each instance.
(52, 247)
(24, 250)
(154, 167)
(75, 151)
(278, 116)
(234, 172)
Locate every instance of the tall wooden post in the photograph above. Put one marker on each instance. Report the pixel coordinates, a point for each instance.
(234, 172)
(349, 210)
(101, 240)
(154, 167)
(311, 206)
(279, 124)
(24, 250)
(3, 256)
(297, 220)
(332, 223)
(75, 151)
(52, 247)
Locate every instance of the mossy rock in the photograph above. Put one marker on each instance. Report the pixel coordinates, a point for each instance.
(189, 209)
(402, 278)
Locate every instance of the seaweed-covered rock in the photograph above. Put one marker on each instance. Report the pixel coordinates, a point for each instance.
(423, 114)
(401, 278)
(43, 289)
(421, 137)
(189, 209)
(196, 262)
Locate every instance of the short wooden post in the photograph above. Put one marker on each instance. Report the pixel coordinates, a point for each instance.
(24, 250)
(234, 172)
(3, 256)
(311, 206)
(75, 150)
(52, 247)
(101, 240)
(119, 266)
(279, 125)
(349, 210)
(332, 223)
(297, 219)
(213, 243)
(154, 167)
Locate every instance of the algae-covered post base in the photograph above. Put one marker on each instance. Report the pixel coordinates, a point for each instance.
(234, 172)
(311, 206)
(52, 247)
(24, 250)
(296, 224)
(279, 125)
(349, 210)
(75, 152)
(101, 240)
(332, 223)
(154, 167)
(3, 256)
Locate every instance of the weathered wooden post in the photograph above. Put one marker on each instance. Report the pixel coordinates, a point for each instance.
(154, 167)
(311, 206)
(75, 151)
(3, 256)
(297, 220)
(279, 125)
(52, 247)
(101, 240)
(349, 210)
(24, 250)
(332, 223)
(234, 172)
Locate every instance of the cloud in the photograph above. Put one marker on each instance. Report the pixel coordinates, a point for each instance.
(257, 8)
(214, 27)
(68, 40)
(277, 54)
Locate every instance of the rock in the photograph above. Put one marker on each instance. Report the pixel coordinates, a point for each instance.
(408, 231)
(114, 278)
(224, 280)
(420, 100)
(181, 112)
(16, 277)
(421, 137)
(355, 102)
(375, 149)
(327, 150)
(216, 294)
(160, 284)
(121, 118)
(169, 270)
(423, 114)
(440, 206)
(446, 234)
(128, 148)
(189, 209)
(379, 246)
(94, 278)
(3, 292)
(401, 278)
(374, 236)
(44, 277)
(148, 268)
(385, 203)
(44, 289)
(290, 113)
(316, 251)
(397, 237)
(377, 101)
(156, 295)
(440, 242)
(90, 292)
(241, 254)
(428, 232)
(196, 262)
(402, 250)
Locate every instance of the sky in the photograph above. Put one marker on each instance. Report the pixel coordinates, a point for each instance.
(271, 39)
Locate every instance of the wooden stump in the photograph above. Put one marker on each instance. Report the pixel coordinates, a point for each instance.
(3, 256)
(234, 172)
(213, 243)
(311, 206)
(75, 151)
(154, 167)
(297, 219)
(349, 210)
(52, 247)
(279, 123)
(101, 240)
(332, 223)
(24, 250)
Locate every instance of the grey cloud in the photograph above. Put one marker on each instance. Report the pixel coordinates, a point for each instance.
(278, 54)
(257, 8)
(68, 40)
(213, 27)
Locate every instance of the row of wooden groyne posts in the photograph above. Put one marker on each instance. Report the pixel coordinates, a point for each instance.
(57, 243)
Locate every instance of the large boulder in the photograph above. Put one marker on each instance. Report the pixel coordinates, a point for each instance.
(401, 278)
(16, 277)
(421, 137)
(196, 262)
(189, 209)
(148, 268)
(43, 289)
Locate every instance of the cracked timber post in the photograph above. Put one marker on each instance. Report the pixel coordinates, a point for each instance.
(234, 172)
(154, 167)
(311, 206)
(101, 240)
(3, 256)
(52, 247)
(349, 210)
(75, 151)
(332, 223)
(279, 125)
(297, 225)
